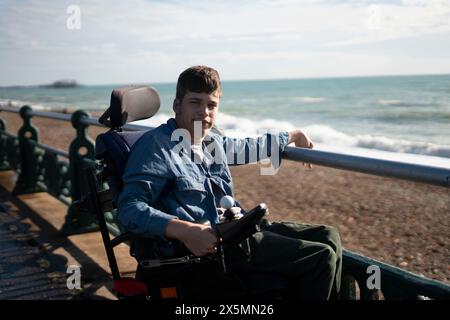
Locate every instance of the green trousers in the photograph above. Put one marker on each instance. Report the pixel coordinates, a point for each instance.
(308, 256)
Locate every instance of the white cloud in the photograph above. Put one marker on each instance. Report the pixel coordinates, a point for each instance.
(408, 19)
(137, 40)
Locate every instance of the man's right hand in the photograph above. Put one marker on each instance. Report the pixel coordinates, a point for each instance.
(198, 238)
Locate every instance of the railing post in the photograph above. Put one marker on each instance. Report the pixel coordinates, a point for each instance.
(29, 163)
(9, 149)
(81, 148)
(2, 124)
(4, 165)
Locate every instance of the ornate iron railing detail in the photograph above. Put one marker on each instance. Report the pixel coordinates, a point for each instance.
(4, 163)
(81, 154)
(9, 149)
(27, 181)
(56, 176)
(42, 168)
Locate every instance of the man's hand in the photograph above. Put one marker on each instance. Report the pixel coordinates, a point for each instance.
(198, 238)
(301, 140)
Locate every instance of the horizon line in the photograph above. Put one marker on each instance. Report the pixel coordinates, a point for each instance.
(239, 80)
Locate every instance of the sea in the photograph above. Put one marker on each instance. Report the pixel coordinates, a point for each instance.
(402, 118)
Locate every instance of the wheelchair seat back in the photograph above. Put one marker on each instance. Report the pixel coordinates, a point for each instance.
(113, 147)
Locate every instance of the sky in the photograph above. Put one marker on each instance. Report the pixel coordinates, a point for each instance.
(143, 41)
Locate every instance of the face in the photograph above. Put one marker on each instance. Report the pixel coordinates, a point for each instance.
(199, 109)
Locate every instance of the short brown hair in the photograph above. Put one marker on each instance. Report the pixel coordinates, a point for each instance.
(198, 79)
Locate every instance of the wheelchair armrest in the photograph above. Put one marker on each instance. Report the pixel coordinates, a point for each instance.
(231, 233)
(85, 205)
(127, 236)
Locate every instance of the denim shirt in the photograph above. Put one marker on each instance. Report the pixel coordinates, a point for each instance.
(162, 183)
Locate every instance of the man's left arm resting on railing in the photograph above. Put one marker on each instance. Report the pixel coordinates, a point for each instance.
(249, 150)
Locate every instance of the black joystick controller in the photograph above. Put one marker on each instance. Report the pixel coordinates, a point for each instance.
(234, 227)
(231, 213)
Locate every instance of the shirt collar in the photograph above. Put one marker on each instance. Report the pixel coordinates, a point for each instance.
(172, 123)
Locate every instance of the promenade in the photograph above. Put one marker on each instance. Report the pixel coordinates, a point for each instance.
(34, 257)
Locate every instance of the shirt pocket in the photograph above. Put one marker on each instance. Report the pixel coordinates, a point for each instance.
(189, 190)
(223, 181)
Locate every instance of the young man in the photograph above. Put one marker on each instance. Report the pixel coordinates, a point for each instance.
(169, 191)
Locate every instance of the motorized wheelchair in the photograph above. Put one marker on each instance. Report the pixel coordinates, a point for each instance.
(185, 276)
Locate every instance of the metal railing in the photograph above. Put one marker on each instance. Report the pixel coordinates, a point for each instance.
(386, 168)
(39, 169)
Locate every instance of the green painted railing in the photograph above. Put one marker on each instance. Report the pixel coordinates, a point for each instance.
(43, 168)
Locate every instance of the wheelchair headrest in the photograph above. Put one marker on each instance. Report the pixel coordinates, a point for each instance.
(113, 148)
(130, 104)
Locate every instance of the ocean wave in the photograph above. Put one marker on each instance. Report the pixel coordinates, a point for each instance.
(233, 126)
(327, 138)
(242, 127)
(309, 99)
(328, 135)
(400, 103)
(19, 103)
